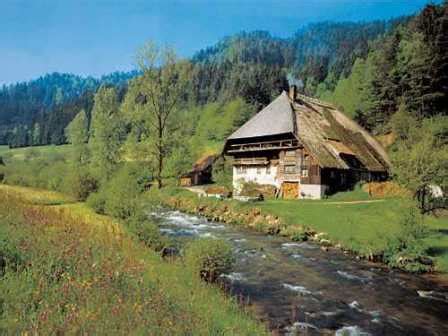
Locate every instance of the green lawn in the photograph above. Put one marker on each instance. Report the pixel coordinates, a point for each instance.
(32, 152)
(362, 226)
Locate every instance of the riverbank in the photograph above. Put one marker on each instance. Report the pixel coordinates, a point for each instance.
(360, 228)
(66, 269)
(297, 287)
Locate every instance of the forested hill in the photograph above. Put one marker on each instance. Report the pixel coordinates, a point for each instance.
(256, 65)
(36, 112)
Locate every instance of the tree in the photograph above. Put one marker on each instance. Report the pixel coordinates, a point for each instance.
(106, 132)
(162, 90)
(77, 133)
(420, 160)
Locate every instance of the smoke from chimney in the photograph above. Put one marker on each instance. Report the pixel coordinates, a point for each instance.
(294, 81)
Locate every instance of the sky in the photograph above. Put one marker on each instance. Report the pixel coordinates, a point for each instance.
(96, 37)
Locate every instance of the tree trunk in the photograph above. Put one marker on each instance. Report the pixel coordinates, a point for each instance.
(159, 171)
(160, 152)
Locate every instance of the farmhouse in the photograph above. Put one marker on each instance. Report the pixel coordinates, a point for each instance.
(305, 148)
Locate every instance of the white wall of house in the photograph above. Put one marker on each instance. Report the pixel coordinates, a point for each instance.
(256, 174)
(262, 175)
(312, 191)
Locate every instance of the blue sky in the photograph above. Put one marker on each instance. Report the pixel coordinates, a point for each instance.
(100, 36)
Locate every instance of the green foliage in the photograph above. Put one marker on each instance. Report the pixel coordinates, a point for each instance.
(106, 133)
(419, 160)
(406, 249)
(77, 133)
(222, 172)
(97, 201)
(146, 231)
(153, 102)
(119, 196)
(404, 70)
(80, 184)
(46, 106)
(209, 258)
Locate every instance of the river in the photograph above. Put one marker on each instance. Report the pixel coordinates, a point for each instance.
(297, 288)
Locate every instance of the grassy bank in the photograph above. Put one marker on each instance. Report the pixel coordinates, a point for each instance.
(350, 220)
(66, 269)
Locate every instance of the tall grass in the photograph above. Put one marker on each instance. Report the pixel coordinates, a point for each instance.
(65, 272)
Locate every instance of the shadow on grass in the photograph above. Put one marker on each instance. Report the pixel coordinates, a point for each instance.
(436, 251)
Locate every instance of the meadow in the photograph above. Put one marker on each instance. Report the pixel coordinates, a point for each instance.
(66, 269)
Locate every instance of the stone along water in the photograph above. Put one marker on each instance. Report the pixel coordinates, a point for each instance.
(299, 289)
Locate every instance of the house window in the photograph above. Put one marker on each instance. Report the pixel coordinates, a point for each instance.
(290, 169)
(259, 170)
(268, 170)
(304, 172)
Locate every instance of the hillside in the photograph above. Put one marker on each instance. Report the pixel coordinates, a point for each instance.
(36, 112)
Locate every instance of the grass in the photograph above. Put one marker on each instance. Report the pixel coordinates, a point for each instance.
(35, 151)
(362, 226)
(69, 270)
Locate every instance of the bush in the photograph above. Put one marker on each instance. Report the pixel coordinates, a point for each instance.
(209, 258)
(81, 185)
(97, 201)
(147, 231)
(119, 197)
(406, 250)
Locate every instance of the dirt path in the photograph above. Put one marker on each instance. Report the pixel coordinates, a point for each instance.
(354, 202)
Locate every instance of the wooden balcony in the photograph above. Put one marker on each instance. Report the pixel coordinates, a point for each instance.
(255, 161)
(263, 146)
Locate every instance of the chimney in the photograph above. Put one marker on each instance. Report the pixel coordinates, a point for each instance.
(292, 92)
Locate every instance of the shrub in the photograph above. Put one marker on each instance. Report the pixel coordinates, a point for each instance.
(97, 201)
(119, 197)
(406, 250)
(209, 258)
(81, 185)
(122, 193)
(147, 231)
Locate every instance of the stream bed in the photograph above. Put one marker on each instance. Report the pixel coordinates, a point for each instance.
(297, 288)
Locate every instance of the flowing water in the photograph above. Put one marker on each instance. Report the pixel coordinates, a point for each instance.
(299, 289)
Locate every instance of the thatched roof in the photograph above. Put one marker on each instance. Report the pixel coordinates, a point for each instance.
(204, 163)
(325, 132)
(274, 119)
(201, 165)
